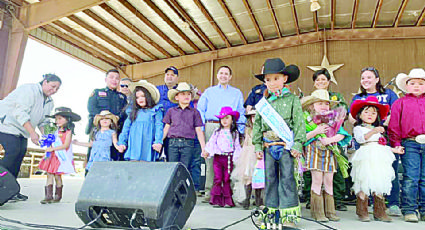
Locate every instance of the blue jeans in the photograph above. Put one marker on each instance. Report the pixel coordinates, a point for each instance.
(413, 185)
(195, 165)
(394, 197)
(180, 150)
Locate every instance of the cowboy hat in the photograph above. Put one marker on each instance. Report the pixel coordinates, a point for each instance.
(251, 112)
(181, 87)
(369, 101)
(105, 114)
(149, 87)
(276, 65)
(65, 112)
(317, 95)
(402, 78)
(226, 110)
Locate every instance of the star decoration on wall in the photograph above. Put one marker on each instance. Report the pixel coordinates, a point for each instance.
(331, 68)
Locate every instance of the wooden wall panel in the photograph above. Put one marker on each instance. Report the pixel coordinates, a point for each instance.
(390, 57)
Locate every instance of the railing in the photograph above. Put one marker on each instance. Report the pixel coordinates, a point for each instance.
(29, 167)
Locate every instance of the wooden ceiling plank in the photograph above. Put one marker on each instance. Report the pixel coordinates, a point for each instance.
(75, 42)
(79, 35)
(254, 21)
(124, 21)
(333, 12)
(142, 18)
(213, 23)
(45, 12)
(126, 38)
(316, 21)
(233, 21)
(294, 16)
(354, 15)
(400, 13)
(273, 15)
(99, 34)
(173, 26)
(421, 18)
(377, 11)
(185, 17)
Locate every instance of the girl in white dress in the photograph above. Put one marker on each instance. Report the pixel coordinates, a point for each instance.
(372, 170)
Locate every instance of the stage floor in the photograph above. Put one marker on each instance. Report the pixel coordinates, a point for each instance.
(203, 216)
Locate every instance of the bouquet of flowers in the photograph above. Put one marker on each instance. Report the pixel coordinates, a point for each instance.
(47, 141)
(334, 119)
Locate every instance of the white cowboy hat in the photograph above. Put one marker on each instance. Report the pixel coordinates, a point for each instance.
(105, 114)
(317, 95)
(150, 87)
(402, 78)
(181, 87)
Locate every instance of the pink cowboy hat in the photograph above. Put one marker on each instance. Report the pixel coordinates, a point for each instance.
(226, 110)
(371, 100)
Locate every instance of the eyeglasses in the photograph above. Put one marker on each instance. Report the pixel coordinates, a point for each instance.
(124, 86)
(375, 71)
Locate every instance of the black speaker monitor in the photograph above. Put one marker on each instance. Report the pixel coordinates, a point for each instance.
(137, 194)
(8, 185)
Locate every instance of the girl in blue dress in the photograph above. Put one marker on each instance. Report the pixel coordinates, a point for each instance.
(103, 137)
(142, 133)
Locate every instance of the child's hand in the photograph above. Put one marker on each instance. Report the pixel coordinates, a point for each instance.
(157, 147)
(378, 129)
(75, 142)
(321, 129)
(398, 150)
(295, 153)
(205, 154)
(121, 148)
(50, 149)
(259, 155)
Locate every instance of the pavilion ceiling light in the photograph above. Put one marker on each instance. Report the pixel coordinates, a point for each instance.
(315, 6)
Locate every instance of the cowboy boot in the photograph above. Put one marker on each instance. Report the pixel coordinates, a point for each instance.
(317, 208)
(48, 194)
(58, 194)
(258, 197)
(379, 209)
(330, 207)
(248, 190)
(361, 209)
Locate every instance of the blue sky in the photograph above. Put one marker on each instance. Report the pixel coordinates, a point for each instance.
(78, 80)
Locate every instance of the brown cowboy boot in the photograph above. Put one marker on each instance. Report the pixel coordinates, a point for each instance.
(379, 209)
(361, 209)
(58, 194)
(330, 207)
(317, 208)
(258, 197)
(48, 194)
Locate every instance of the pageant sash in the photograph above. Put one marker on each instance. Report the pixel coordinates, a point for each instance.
(276, 122)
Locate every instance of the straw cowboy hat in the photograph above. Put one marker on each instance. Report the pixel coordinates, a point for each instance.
(276, 65)
(371, 100)
(317, 95)
(105, 114)
(148, 86)
(181, 87)
(227, 110)
(402, 78)
(65, 112)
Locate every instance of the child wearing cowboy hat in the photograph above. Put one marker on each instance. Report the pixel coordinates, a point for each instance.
(407, 128)
(59, 157)
(182, 125)
(103, 137)
(141, 135)
(281, 190)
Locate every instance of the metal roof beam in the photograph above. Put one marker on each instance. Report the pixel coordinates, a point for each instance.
(211, 20)
(354, 15)
(254, 21)
(233, 21)
(400, 13)
(421, 18)
(376, 14)
(294, 16)
(273, 15)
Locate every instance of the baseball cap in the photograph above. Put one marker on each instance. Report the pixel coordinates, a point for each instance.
(172, 68)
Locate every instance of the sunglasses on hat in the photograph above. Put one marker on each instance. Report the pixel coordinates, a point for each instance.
(124, 86)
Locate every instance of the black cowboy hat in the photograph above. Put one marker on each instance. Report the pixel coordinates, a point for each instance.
(276, 65)
(66, 112)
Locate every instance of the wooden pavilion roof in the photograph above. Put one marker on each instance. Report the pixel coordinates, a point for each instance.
(121, 33)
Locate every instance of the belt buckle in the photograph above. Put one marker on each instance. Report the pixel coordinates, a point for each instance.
(420, 139)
